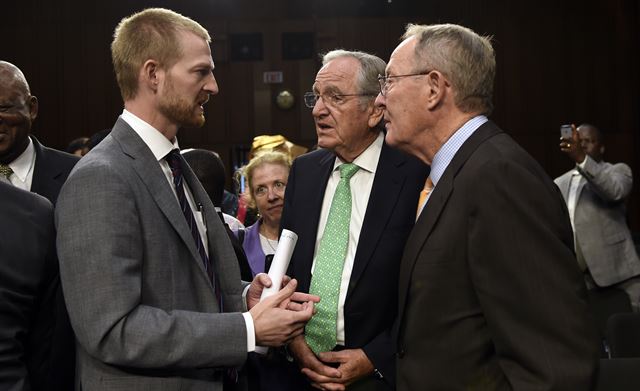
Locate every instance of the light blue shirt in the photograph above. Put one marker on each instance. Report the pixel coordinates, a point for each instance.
(446, 153)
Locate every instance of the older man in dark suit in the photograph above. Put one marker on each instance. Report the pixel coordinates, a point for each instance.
(27, 164)
(351, 264)
(490, 294)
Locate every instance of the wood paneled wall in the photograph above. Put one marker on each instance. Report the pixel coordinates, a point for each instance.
(558, 62)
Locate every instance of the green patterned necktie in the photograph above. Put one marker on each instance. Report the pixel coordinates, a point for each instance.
(5, 171)
(320, 332)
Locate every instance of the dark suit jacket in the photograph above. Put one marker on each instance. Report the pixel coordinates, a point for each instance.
(52, 167)
(370, 306)
(491, 297)
(28, 284)
(51, 170)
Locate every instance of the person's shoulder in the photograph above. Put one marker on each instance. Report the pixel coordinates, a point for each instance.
(394, 156)
(314, 156)
(617, 166)
(53, 155)
(18, 199)
(62, 156)
(233, 223)
(106, 154)
(255, 227)
(100, 167)
(564, 176)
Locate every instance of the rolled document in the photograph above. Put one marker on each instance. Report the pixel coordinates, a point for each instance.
(279, 266)
(280, 263)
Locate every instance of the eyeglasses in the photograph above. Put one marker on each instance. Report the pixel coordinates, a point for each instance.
(384, 80)
(331, 99)
(262, 191)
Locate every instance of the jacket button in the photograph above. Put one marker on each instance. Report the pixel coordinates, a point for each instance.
(400, 353)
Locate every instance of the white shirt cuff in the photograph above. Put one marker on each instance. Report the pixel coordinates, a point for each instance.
(251, 333)
(244, 297)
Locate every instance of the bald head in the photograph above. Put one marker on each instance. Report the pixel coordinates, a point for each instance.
(591, 141)
(11, 75)
(18, 110)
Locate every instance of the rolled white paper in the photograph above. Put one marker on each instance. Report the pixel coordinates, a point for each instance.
(279, 266)
(280, 263)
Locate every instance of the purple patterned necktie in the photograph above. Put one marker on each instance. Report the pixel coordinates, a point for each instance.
(175, 163)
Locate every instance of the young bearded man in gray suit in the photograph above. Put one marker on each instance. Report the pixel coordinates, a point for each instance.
(149, 275)
(490, 295)
(595, 192)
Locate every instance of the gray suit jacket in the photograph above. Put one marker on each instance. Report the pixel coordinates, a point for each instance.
(143, 310)
(600, 220)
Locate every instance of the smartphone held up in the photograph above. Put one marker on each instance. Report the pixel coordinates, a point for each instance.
(566, 132)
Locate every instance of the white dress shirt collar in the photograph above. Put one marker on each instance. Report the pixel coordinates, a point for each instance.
(368, 159)
(23, 167)
(160, 146)
(445, 154)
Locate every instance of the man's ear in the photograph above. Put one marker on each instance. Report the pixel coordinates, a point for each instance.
(436, 87)
(151, 74)
(33, 107)
(375, 114)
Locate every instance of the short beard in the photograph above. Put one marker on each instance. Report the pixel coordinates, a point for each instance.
(179, 110)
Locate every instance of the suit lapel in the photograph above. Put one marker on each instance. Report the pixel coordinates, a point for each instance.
(221, 252)
(432, 211)
(581, 185)
(151, 175)
(315, 189)
(387, 184)
(564, 184)
(45, 175)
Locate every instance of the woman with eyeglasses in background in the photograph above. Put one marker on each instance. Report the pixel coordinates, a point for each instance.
(266, 176)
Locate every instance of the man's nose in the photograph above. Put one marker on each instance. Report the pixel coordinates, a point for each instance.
(212, 86)
(319, 108)
(380, 101)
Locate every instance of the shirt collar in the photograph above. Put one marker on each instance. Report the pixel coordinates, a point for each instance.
(159, 145)
(368, 159)
(23, 164)
(446, 153)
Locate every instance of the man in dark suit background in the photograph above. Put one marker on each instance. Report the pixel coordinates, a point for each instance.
(27, 164)
(490, 294)
(384, 192)
(34, 167)
(28, 285)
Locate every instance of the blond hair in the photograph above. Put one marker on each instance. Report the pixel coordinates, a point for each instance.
(464, 57)
(269, 157)
(149, 34)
